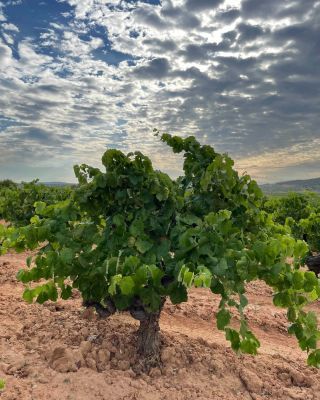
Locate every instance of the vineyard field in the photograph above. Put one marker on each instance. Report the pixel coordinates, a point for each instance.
(134, 285)
(159, 200)
(62, 351)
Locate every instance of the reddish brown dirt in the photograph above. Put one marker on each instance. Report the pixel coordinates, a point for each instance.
(59, 351)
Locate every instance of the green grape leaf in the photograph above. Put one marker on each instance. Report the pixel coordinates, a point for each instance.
(178, 293)
(221, 268)
(150, 298)
(28, 295)
(282, 299)
(314, 359)
(233, 336)
(223, 318)
(249, 346)
(66, 292)
(66, 255)
(127, 285)
(143, 245)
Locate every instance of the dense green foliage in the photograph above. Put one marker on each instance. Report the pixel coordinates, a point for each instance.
(310, 228)
(17, 201)
(7, 184)
(130, 236)
(300, 212)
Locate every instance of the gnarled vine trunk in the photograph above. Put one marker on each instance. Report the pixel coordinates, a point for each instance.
(148, 339)
(148, 336)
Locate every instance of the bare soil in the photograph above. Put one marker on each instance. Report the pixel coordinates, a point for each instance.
(61, 351)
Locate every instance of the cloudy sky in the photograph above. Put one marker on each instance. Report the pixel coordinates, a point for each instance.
(80, 76)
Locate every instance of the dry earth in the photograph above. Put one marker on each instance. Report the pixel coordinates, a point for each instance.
(61, 351)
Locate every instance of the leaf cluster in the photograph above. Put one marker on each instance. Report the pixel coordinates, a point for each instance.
(17, 201)
(301, 213)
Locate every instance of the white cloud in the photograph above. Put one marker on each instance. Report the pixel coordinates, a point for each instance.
(8, 38)
(276, 165)
(244, 88)
(5, 55)
(10, 27)
(2, 16)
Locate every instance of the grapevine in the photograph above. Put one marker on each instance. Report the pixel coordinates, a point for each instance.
(130, 237)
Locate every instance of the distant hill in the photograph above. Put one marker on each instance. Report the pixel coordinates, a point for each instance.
(269, 188)
(58, 184)
(292, 186)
